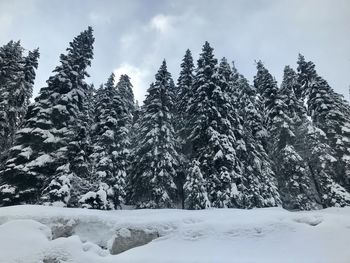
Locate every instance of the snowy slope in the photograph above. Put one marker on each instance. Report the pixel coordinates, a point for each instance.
(218, 235)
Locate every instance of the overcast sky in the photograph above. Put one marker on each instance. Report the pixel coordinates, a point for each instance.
(134, 36)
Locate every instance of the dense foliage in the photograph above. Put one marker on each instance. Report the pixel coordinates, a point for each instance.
(210, 140)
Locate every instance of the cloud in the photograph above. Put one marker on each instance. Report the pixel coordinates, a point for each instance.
(139, 79)
(161, 23)
(135, 36)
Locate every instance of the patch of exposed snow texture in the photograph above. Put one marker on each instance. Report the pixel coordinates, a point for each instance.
(212, 235)
(124, 232)
(40, 161)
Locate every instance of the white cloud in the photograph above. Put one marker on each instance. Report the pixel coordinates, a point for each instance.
(134, 36)
(139, 79)
(161, 23)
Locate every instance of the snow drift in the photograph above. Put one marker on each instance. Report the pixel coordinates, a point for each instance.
(50, 234)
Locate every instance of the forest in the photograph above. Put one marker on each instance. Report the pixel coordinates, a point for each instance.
(209, 140)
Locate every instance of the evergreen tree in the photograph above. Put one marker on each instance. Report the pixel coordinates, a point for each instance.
(306, 74)
(182, 97)
(122, 155)
(111, 144)
(184, 84)
(267, 88)
(294, 179)
(155, 158)
(30, 65)
(40, 165)
(11, 76)
(103, 140)
(196, 196)
(17, 74)
(124, 89)
(210, 132)
(259, 179)
(331, 114)
(311, 144)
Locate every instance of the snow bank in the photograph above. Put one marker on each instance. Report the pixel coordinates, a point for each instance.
(215, 235)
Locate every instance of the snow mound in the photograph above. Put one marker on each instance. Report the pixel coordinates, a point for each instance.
(41, 234)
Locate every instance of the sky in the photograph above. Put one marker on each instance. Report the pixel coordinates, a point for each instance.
(134, 36)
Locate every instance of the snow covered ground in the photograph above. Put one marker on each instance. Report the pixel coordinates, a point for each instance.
(217, 235)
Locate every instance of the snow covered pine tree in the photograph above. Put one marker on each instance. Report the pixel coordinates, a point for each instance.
(311, 144)
(195, 189)
(155, 158)
(209, 131)
(260, 182)
(294, 179)
(330, 113)
(111, 144)
(183, 96)
(17, 74)
(103, 140)
(40, 167)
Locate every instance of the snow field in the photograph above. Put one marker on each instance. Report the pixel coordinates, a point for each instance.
(216, 235)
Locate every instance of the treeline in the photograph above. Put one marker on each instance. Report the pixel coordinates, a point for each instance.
(209, 140)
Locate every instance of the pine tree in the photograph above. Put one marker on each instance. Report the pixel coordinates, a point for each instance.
(259, 179)
(11, 76)
(196, 196)
(124, 89)
(111, 144)
(17, 74)
(155, 158)
(183, 94)
(311, 144)
(331, 114)
(267, 87)
(40, 167)
(102, 134)
(30, 65)
(294, 179)
(134, 132)
(122, 156)
(184, 84)
(301, 131)
(306, 74)
(210, 133)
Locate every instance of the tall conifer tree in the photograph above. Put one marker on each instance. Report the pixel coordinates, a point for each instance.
(40, 166)
(17, 74)
(330, 113)
(210, 133)
(261, 188)
(155, 158)
(184, 96)
(294, 179)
